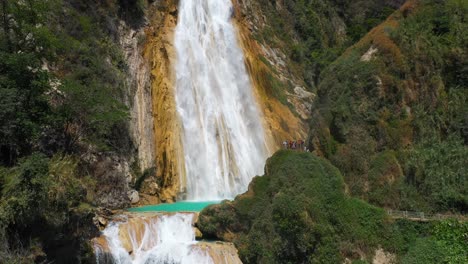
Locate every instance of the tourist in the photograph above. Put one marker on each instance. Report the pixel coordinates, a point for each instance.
(299, 144)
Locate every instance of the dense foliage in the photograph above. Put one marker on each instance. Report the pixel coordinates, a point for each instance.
(444, 242)
(394, 120)
(58, 67)
(61, 91)
(43, 214)
(298, 212)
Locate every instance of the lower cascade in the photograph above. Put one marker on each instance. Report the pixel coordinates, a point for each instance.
(166, 239)
(159, 238)
(222, 137)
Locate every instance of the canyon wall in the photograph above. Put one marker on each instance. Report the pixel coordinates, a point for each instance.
(159, 51)
(139, 99)
(281, 95)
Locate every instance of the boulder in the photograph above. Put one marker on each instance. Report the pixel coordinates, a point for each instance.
(198, 233)
(133, 196)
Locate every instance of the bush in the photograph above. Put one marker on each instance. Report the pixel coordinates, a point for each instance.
(41, 211)
(296, 213)
(439, 171)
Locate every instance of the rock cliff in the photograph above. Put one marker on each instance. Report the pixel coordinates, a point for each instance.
(283, 120)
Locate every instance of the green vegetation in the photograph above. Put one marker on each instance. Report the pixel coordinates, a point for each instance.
(395, 124)
(314, 33)
(446, 243)
(42, 212)
(61, 92)
(298, 212)
(57, 70)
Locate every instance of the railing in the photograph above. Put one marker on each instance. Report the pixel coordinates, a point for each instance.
(421, 216)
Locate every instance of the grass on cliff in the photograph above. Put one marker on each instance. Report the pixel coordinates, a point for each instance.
(314, 33)
(395, 125)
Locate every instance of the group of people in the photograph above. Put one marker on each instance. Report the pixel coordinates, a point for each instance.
(295, 145)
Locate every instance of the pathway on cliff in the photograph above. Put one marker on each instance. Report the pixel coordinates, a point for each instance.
(424, 217)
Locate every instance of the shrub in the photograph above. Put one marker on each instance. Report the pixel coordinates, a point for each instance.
(296, 213)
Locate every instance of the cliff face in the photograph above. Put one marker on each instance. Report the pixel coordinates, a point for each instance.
(281, 95)
(159, 51)
(139, 95)
(283, 120)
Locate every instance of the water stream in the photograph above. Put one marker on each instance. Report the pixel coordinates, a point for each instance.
(168, 239)
(222, 134)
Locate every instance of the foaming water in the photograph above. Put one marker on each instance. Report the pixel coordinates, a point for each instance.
(222, 134)
(168, 239)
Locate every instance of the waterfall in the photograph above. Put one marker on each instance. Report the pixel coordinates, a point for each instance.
(222, 138)
(222, 133)
(167, 239)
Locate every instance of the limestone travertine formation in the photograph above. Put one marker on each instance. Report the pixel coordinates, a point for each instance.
(160, 53)
(161, 238)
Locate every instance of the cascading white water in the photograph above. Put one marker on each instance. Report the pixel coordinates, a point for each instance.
(168, 239)
(222, 133)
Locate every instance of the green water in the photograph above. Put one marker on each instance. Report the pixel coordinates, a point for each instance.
(175, 207)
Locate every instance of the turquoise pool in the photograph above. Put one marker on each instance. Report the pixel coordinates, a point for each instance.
(184, 206)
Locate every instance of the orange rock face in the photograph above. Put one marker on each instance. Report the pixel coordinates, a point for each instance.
(160, 53)
(280, 122)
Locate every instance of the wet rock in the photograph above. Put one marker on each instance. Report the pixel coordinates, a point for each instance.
(220, 252)
(146, 199)
(102, 221)
(154, 188)
(160, 53)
